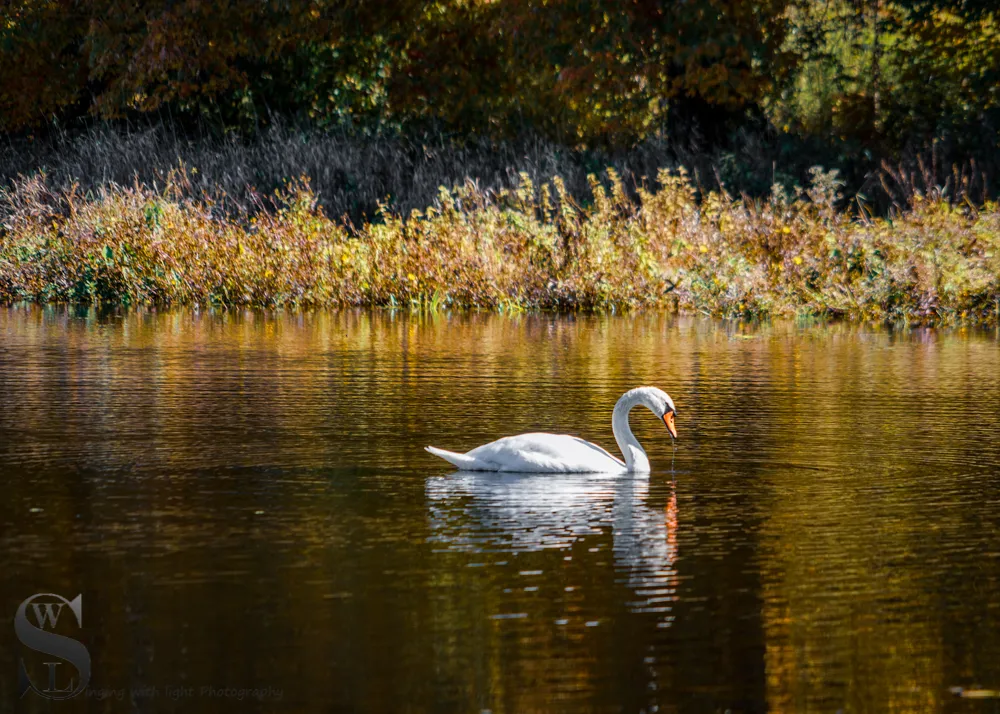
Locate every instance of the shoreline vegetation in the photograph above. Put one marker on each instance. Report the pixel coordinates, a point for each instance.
(510, 240)
(515, 155)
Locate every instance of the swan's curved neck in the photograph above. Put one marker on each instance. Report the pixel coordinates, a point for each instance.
(632, 451)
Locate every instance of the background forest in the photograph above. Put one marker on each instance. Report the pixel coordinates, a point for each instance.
(757, 91)
(817, 157)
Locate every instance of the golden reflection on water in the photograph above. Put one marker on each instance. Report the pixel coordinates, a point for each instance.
(243, 499)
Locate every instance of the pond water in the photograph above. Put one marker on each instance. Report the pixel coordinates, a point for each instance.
(243, 502)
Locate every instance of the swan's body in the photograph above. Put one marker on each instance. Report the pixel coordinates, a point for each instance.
(535, 453)
(562, 453)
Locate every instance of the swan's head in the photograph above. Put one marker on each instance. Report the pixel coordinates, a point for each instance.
(660, 403)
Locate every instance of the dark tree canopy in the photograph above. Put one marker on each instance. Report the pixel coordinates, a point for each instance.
(877, 74)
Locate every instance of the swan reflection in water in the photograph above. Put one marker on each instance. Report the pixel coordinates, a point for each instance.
(490, 512)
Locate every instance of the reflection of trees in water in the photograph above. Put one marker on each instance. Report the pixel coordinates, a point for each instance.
(482, 512)
(840, 524)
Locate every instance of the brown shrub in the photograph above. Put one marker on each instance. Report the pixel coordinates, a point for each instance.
(526, 248)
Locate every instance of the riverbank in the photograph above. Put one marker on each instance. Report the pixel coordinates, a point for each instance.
(532, 247)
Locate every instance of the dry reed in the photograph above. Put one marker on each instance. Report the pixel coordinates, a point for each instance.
(529, 247)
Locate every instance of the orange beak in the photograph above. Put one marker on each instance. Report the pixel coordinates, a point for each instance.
(668, 419)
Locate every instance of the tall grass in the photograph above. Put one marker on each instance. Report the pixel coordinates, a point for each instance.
(527, 247)
(351, 174)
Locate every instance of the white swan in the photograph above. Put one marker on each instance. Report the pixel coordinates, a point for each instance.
(562, 453)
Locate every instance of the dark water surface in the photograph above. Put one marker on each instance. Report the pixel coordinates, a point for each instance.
(243, 501)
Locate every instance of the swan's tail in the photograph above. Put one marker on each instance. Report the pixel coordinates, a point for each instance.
(460, 460)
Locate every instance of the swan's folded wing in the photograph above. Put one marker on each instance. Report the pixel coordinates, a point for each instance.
(600, 450)
(545, 453)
